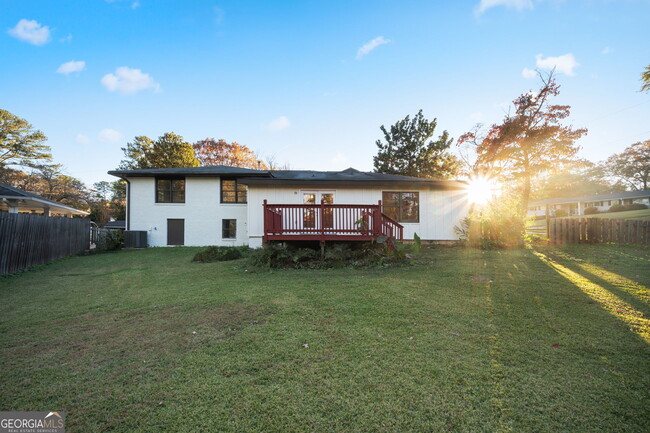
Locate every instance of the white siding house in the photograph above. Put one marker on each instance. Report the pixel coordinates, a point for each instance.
(577, 205)
(202, 213)
(225, 205)
(439, 211)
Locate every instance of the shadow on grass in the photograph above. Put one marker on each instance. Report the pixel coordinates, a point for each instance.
(637, 291)
(613, 304)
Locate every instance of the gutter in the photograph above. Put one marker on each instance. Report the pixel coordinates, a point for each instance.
(127, 223)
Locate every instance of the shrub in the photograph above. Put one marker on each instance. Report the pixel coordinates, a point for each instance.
(636, 206)
(338, 255)
(591, 211)
(220, 254)
(271, 255)
(109, 240)
(279, 256)
(561, 213)
(497, 225)
(617, 208)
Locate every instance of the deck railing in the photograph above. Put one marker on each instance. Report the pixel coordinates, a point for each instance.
(327, 222)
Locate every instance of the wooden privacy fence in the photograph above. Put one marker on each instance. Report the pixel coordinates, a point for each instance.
(27, 240)
(598, 230)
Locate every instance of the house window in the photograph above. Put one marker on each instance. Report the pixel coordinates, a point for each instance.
(229, 229)
(170, 190)
(402, 206)
(233, 191)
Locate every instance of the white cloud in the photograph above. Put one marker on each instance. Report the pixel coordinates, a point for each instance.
(278, 124)
(369, 46)
(606, 50)
(110, 135)
(72, 66)
(67, 39)
(509, 4)
(31, 31)
(135, 5)
(82, 139)
(529, 73)
(127, 80)
(563, 64)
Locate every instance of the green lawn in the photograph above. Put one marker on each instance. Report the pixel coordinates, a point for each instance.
(553, 340)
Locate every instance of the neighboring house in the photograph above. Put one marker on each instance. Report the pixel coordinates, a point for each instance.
(577, 205)
(14, 200)
(223, 205)
(117, 224)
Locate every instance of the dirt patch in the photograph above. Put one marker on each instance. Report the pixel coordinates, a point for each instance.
(141, 336)
(481, 279)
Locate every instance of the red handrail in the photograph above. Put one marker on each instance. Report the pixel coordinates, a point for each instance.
(328, 221)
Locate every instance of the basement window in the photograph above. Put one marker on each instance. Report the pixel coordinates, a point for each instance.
(229, 229)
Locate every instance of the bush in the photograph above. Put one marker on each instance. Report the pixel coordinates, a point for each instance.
(220, 254)
(497, 225)
(617, 208)
(561, 213)
(591, 211)
(109, 240)
(636, 206)
(356, 255)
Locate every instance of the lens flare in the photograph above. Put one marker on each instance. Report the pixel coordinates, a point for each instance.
(481, 189)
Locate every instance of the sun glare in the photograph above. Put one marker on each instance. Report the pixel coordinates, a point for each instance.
(481, 189)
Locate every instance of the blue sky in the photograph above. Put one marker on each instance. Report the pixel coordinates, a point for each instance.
(311, 82)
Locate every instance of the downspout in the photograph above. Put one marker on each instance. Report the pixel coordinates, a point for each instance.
(127, 226)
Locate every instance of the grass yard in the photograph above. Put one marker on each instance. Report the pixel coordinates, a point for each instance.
(465, 341)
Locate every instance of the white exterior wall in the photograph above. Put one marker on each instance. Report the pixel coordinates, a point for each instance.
(440, 211)
(202, 212)
(537, 212)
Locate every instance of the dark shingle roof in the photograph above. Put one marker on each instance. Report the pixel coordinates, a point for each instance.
(117, 224)
(345, 177)
(596, 197)
(213, 170)
(7, 191)
(295, 177)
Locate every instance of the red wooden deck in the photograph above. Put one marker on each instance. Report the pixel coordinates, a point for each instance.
(327, 222)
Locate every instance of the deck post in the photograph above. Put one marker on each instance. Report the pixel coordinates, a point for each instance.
(322, 221)
(377, 222)
(265, 238)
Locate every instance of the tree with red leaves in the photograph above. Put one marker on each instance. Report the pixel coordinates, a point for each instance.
(219, 152)
(632, 166)
(527, 143)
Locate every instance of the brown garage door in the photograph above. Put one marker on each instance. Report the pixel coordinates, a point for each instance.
(175, 232)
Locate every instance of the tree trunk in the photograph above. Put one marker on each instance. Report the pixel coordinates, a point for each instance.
(525, 196)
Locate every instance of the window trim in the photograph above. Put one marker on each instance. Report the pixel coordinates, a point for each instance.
(171, 191)
(400, 206)
(236, 191)
(223, 221)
